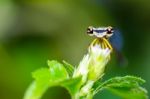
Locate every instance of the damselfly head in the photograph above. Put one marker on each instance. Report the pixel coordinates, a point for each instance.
(90, 30)
(100, 32)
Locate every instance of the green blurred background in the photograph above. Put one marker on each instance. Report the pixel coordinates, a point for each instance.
(33, 31)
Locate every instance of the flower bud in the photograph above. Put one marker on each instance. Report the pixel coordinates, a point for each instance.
(93, 64)
(98, 59)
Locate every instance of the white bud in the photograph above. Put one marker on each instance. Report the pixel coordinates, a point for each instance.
(93, 63)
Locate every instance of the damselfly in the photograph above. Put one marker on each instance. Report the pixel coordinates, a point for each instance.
(112, 37)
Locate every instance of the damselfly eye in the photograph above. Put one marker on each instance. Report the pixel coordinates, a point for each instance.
(110, 30)
(90, 30)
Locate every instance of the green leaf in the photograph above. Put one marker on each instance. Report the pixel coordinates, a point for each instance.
(69, 68)
(40, 85)
(36, 90)
(57, 71)
(41, 75)
(130, 93)
(127, 87)
(46, 77)
(55, 75)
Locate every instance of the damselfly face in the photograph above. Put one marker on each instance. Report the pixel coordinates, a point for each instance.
(100, 32)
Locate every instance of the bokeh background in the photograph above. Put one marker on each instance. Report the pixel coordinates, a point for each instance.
(33, 31)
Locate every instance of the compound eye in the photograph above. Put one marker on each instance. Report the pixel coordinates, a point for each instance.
(90, 30)
(110, 30)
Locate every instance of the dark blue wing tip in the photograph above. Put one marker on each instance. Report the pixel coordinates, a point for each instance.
(116, 40)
